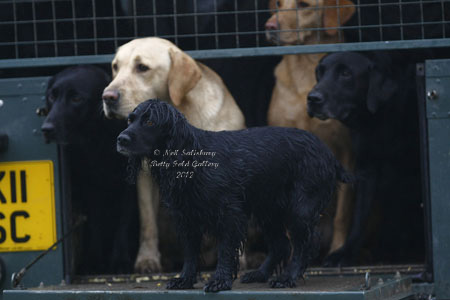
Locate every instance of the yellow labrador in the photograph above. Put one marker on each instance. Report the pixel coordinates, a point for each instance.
(155, 68)
(296, 22)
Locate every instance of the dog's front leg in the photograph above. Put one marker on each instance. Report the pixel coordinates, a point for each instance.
(223, 277)
(148, 258)
(190, 238)
(230, 241)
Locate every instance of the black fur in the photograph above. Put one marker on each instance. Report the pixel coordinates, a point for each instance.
(97, 188)
(284, 177)
(374, 94)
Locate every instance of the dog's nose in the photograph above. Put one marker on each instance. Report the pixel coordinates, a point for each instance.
(110, 96)
(271, 25)
(315, 97)
(48, 128)
(123, 140)
(49, 131)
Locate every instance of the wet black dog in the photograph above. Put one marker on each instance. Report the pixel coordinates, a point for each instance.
(96, 172)
(374, 95)
(212, 182)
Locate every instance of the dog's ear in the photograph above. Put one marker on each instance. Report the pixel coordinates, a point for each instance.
(381, 89)
(336, 16)
(184, 75)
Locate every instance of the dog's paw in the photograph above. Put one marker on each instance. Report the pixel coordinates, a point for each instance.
(282, 281)
(217, 285)
(182, 283)
(146, 264)
(338, 258)
(255, 276)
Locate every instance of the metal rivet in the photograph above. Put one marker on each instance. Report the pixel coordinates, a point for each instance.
(434, 115)
(438, 80)
(19, 85)
(432, 95)
(24, 99)
(36, 132)
(1, 102)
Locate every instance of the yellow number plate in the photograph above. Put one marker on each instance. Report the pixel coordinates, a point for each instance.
(27, 206)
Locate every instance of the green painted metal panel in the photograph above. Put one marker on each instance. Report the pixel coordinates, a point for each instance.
(438, 89)
(438, 108)
(438, 68)
(21, 97)
(180, 295)
(238, 52)
(390, 289)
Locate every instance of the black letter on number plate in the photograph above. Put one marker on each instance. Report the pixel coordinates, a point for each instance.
(2, 230)
(2, 197)
(23, 185)
(14, 236)
(12, 178)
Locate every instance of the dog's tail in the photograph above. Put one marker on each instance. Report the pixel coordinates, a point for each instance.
(343, 175)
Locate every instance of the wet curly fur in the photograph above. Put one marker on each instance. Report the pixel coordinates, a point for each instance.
(283, 176)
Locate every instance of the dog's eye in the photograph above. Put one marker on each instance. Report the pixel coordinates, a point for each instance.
(142, 68)
(115, 67)
(131, 118)
(345, 73)
(76, 99)
(302, 4)
(149, 123)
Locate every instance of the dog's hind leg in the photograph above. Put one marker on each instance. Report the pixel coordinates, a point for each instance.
(301, 222)
(301, 235)
(365, 195)
(279, 251)
(344, 207)
(342, 219)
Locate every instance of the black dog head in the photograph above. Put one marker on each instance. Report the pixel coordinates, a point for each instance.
(74, 104)
(351, 86)
(150, 127)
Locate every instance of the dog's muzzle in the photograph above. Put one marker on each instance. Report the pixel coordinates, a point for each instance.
(123, 142)
(111, 96)
(49, 131)
(111, 100)
(315, 105)
(273, 37)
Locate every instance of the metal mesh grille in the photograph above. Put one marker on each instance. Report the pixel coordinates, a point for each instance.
(51, 28)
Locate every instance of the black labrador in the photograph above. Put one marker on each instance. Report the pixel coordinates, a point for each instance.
(374, 95)
(97, 174)
(211, 182)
